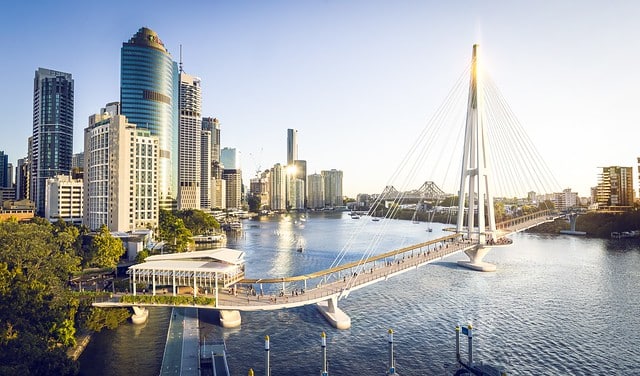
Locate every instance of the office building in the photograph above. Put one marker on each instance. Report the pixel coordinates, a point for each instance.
(5, 171)
(64, 199)
(149, 91)
(23, 172)
(292, 146)
(615, 187)
(189, 150)
(205, 170)
(213, 125)
(52, 142)
(121, 175)
(229, 158)
(332, 188)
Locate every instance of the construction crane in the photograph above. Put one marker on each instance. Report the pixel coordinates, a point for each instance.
(257, 162)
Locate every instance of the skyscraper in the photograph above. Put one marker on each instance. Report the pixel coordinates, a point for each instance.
(315, 191)
(149, 98)
(4, 170)
(52, 143)
(333, 188)
(292, 146)
(213, 125)
(229, 158)
(205, 169)
(189, 152)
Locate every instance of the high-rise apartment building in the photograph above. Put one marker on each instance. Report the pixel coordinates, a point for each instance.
(332, 188)
(615, 187)
(64, 199)
(189, 150)
(149, 92)
(315, 191)
(292, 146)
(278, 188)
(52, 142)
(121, 175)
(233, 179)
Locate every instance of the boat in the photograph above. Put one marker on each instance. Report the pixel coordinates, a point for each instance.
(355, 216)
(429, 229)
(375, 219)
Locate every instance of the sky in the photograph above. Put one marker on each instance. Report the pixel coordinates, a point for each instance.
(357, 79)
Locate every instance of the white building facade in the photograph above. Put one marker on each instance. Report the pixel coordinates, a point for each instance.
(64, 199)
(121, 175)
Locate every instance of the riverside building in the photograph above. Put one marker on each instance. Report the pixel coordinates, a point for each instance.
(149, 91)
(121, 175)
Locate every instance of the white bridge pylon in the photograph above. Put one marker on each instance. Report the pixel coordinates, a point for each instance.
(475, 180)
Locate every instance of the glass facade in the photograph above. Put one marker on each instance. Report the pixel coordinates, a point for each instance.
(52, 147)
(149, 98)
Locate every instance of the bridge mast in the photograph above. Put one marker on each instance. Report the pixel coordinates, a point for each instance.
(475, 172)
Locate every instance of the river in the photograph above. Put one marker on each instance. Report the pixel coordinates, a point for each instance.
(557, 305)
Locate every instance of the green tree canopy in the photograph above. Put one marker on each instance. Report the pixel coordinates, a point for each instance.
(173, 232)
(198, 222)
(36, 310)
(106, 249)
(254, 203)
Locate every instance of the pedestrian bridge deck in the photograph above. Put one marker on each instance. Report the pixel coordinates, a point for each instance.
(339, 281)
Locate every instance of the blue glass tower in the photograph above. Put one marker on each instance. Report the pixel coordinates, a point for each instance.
(149, 98)
(4, 170)
(52, 146)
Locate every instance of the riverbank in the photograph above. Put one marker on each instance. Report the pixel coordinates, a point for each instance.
(82, 341)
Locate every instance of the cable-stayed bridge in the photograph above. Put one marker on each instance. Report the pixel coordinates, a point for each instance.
(475, 232)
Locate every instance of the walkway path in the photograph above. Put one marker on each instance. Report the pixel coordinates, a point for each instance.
(183, 338)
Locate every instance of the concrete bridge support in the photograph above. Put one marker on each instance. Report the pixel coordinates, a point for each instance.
(140, 315)
(230, 319)
(334, 315)
(476, 254)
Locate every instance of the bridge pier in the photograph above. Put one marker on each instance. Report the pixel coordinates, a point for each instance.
(334, 315)
(229, 318)
(476, 254)
(140, 315)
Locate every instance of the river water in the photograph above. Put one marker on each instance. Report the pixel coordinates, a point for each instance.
(557, 305)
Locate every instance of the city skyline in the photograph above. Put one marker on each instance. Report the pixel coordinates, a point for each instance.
(344, 74)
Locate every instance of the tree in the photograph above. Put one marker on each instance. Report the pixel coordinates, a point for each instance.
(36, 310)
(254, 203)
(142, 255)
(197, 221)
(106, 249)
(173, 232)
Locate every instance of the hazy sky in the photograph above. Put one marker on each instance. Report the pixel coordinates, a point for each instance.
(357, 79)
